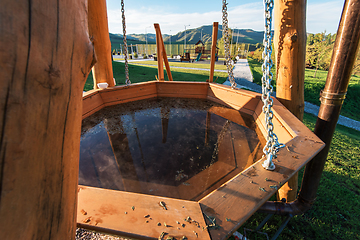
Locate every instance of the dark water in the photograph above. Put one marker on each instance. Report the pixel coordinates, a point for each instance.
(179, 148)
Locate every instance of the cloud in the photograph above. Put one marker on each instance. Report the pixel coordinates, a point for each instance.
(320, 16)
(323, 16)
(243, 16)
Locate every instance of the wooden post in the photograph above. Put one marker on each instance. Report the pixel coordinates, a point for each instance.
(213, 50)
(99, 33)
(161, 47)
(45, 58)
(290, 50)
(159, 57)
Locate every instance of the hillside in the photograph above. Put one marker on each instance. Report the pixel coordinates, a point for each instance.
(192, 36)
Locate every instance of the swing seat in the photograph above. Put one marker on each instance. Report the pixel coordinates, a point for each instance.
(231, 201)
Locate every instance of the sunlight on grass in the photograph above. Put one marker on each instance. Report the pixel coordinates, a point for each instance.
(147, 73)
(313, 86)
(183, 64)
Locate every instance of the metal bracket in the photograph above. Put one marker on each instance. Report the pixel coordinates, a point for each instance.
(332, 98)
(278, 232)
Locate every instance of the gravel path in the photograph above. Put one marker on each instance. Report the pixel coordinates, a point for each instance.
(244, 79)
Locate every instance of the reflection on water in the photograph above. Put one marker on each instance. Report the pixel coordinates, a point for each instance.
(180, 148)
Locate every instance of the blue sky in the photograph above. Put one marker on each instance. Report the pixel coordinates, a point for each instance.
(173, 15)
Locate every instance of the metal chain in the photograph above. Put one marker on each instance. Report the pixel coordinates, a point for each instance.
(228, 60)
(272, 145)
(127, 80)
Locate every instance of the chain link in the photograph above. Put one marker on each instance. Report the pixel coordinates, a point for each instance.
(272, 145)
(125, 44)
(228, 60)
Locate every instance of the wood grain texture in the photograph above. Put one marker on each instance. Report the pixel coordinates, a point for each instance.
(92, 102)
(163, 51)
(182, 89)
(122, 94)
(45, 57)
(213, 50)
(99, 34)
(159, 55)
(105, 212)
(290, 50)
(237, 99)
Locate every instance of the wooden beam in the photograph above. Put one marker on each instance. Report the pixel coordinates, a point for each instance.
(213, 50)
(45, 58)
(290, 48)
(159, 53)
(99, 33)
(163, 53)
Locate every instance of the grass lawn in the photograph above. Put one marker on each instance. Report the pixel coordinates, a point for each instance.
(313, 86)
(147, 73)
(336, 211)
(183, 64)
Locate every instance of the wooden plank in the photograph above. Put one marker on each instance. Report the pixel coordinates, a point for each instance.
(230, 114)
(240, 197)
(92, 103)
(282, 129)
(206, 181)
(182, 89)
(238, 99)
(105, 212)
(45, 57)
(99, 33)
(133, 92)
(213, 50)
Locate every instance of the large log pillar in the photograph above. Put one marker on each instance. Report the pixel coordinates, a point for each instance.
(290, 50)
(45, 57)
(99, 33)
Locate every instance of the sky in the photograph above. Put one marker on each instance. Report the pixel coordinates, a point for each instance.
(174, 15)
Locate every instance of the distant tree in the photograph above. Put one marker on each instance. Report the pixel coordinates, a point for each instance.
(318, 50)
(356, 69)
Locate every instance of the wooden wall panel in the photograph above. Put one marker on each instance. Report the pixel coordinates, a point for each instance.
(182, 89)
(134, 92)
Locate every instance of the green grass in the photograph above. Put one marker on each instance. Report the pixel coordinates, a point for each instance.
(183, 64)
(147, 73)
(336, 211)
(313, 86)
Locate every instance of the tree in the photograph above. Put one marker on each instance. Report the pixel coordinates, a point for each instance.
(318, 50)
(356, 69)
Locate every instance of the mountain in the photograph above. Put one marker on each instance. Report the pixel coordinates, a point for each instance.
(192, 36)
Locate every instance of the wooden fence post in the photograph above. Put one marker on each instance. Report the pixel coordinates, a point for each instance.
(99, 33)
(290, 50)
(45, 57)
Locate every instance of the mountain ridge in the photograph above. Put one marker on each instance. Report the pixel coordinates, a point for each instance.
(248, 36)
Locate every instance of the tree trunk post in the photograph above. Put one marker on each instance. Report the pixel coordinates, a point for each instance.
(45, 57)
(290, 50)
(99, 33)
